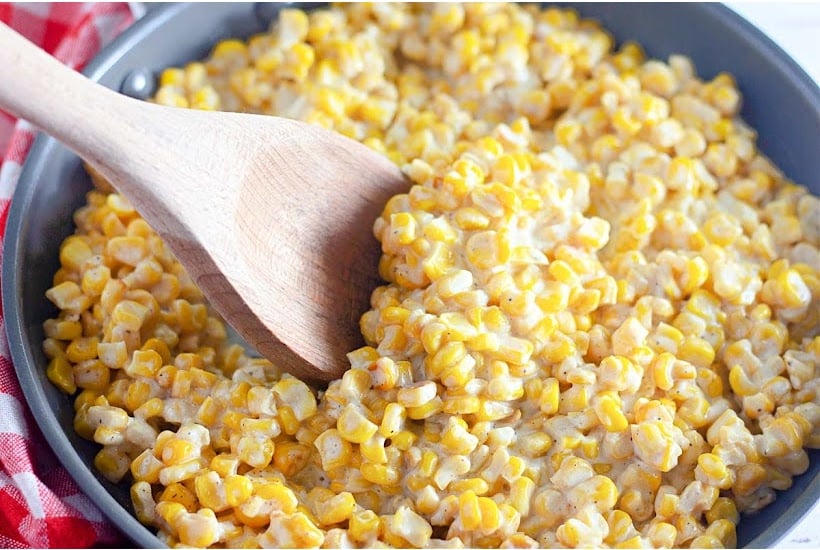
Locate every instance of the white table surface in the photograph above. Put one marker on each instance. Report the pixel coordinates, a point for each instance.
(795, 27)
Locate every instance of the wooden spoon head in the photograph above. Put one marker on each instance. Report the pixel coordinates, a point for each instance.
(272, 218)
(303, 227)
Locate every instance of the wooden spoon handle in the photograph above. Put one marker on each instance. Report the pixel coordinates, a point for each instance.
(124, 138)
(37, 87)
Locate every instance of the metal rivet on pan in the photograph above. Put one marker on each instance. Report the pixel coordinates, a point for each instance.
(139, 84)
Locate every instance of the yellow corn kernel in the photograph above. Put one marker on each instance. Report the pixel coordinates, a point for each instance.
(290, 457)
(785, 434)
(426, 410)
(143, 501)
(574, 399)
(418, 394)
(337, 509)
(162, 349)
(172, 77)
(61, 329)
(255, 451)
(475, 484)
(355, 382)
(456, 439)
(710, 382)
(558, 348)
(458, 374)
(567, 131)
(146, 467)
(515, 351)
(723, 508)
(740, 383)
(363, 525)
(68, 296)
(603, 491)
(74, 251)
(724, 531)
(114, 355)
(447, 355)
(666, 504)
(439, 230)
(712, 470)
(504, 388)
(278, 495)
(402, 228)
(469, 512)
(471, 219)
(549, 398)
(634, 503)
(571, 533)
(82, 349)
(151, 408)
(491, 515)
(238, 489)
(697, 351)
(486, 249)
(749, 477)
(432, 336)
(461, 405)
(428, 463)
(706, 541)
(662, 534)
(138, 393)
(178, 494)
(223, 49)
(130, 314)
(288, 420)
(609, 410)
(392, 420)
(256, 511)
(334, 450)
(177, 451)
(128, 250)
(694, 411)
(380, 474)
(404, 440)
(406, 528)
(662, 370)
(624, 122)
(521, 492)
(116, 393)
(620, 526)
(787, 289)
(60, 373)
(224, 464)
(112, 463)
(373, 450)
(210, 491)
(297, 395)
(654, 445)
(722, 229)
(535, 444)
(602, 468)
(144, 363)
(200, 529)
(354, 426)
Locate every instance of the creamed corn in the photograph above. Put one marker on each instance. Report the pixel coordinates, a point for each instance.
(599, 325)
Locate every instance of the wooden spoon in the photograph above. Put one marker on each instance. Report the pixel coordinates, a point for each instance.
(271, 217)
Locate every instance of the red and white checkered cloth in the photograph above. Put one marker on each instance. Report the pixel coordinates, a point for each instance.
(40, 505)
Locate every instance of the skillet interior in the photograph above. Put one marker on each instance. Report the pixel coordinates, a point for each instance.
(780, 101)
